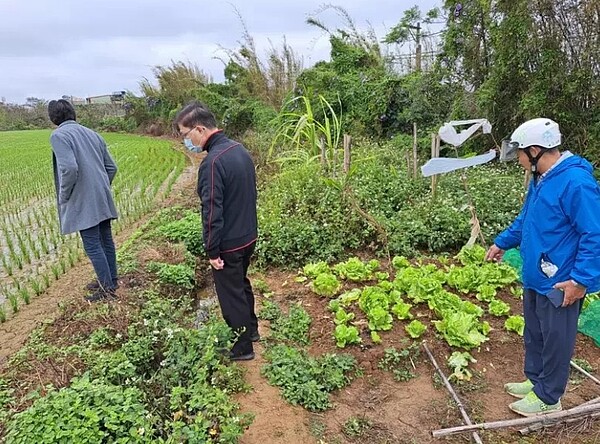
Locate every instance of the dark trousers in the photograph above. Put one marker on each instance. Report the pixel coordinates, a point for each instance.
(100, 248)
(236, 298)
(550, 334)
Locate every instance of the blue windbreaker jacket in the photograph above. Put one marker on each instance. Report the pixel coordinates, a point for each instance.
(560, 221)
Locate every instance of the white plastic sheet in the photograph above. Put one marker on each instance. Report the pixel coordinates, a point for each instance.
(440, 165)
(449, 134)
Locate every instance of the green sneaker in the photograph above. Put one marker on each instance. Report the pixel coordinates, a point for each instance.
(518, 389)
(531, 405)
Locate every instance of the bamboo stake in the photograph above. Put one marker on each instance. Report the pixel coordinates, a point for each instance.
(435, 152)
(593, 378)
(472, 209)
(463, 412)
(539, 426)
(591, 401)
(347, 158)
(546, 419)
(415, 151)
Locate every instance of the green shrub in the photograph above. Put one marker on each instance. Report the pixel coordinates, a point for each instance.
(6, 399)
(87, 411)
(304, 219)
(187, 229)
(270, 311)
(181, 275)
(117, 124)
(293, 327)
(305, 380)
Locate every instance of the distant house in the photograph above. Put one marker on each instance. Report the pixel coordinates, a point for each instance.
(96, 100)
(74, 100)
(115, 97)
(118, 96)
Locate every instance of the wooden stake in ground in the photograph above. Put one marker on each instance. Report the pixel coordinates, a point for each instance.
(546, 420)
(463, 412)
(347, 147)
(435, 152)
(476, 228)
(415, 159)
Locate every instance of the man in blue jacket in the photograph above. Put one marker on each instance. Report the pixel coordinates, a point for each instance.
(558, 231)
(227, 190)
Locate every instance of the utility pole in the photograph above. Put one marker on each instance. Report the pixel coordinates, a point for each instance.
(418, 49)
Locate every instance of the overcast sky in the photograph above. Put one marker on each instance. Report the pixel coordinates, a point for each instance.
(92, 47)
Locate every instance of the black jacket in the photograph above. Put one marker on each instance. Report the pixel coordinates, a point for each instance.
(227, 190)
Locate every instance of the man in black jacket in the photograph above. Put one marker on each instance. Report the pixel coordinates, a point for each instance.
(227, 190)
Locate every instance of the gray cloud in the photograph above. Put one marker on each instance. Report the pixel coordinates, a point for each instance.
(91, 47)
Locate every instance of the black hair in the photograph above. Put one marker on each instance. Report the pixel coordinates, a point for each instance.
(193, 114)
(60, 111)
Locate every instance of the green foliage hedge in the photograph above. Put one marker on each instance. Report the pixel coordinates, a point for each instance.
(303, 219)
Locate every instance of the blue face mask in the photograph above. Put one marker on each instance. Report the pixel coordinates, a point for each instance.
(191, 147)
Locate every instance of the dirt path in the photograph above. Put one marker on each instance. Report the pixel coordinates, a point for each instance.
(275, 420)
(17, 329)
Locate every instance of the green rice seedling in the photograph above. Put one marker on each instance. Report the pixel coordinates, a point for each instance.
(14, 302)
(16, 283)
(7, 265)
(2, 313)
(71, 260)
(21, 242)
(25, 295)
(64, 265)
(44, 244)
(46, 280)
(26, 257)
(17, 260)
(37, 286)
(9, 243)
(56, 271)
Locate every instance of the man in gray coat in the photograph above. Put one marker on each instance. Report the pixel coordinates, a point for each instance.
(83, 173)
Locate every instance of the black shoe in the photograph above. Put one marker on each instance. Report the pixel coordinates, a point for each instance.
(101, 295)
(255, 337)
(94, 285)
(241, 357)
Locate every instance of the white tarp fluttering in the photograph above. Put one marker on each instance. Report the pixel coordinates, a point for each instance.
(449, 134)
(440, 165)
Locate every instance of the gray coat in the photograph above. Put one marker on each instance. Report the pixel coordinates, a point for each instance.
(83, 172)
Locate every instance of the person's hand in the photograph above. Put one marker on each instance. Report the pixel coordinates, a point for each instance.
(495, 253)
(572, 292)
(217, 263)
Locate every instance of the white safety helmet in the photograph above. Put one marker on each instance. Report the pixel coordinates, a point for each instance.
(540, 132)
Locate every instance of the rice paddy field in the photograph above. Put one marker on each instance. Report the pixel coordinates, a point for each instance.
(32, 251)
